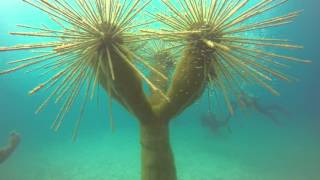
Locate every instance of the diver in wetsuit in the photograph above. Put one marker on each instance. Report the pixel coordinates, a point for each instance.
(6, 151)
(249, 101)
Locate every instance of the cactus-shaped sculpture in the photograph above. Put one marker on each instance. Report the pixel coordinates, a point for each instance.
(94, 46)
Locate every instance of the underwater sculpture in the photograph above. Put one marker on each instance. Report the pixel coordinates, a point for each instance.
(93, 48)
(161, 56)
(13, 142)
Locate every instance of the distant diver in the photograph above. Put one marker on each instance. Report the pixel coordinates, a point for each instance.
(6, 151)
(210, 121)
(249, 101)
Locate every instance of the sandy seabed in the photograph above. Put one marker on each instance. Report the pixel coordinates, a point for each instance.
(251, 152)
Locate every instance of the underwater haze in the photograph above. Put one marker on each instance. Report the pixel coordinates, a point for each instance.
(255, 146)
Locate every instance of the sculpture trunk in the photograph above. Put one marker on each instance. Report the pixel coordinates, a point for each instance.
(157, 162)
(154, 114)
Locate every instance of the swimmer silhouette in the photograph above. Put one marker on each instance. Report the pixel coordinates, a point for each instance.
(210, 121)
(13, 142)
(249, 101)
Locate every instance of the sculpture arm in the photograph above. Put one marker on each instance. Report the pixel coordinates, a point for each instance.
(188, 84)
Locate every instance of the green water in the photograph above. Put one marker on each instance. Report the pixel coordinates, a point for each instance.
(257, 149)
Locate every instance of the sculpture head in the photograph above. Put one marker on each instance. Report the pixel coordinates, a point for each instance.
(92, 37)
(219, 30)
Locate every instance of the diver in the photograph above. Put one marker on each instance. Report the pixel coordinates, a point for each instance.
(249, 101)
(6, 151)
(210, 121)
